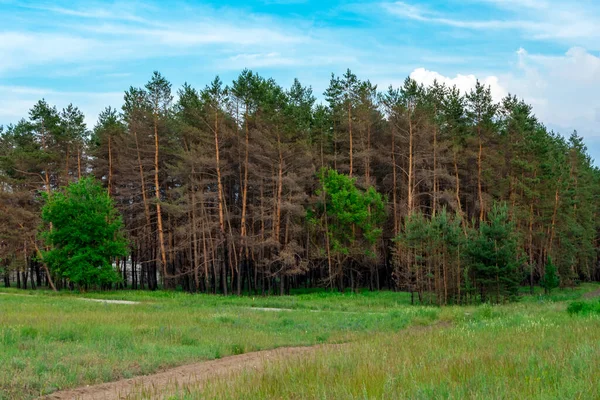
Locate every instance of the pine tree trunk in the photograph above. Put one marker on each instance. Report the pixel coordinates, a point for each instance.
(109, 167)
(196, 261)
(479, 167)
(159, 221)
(531, 247)
(410, 168)
(458, 204)
(67, 166)
(552, 227)
(279, 192)
(41, 258)
(435, 183)
(245, 192)
(394, 186)
(220, 197)
(350, 134)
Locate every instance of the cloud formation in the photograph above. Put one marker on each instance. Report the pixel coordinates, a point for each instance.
(562, 89)
(89, 52)
(565, 21)
(16, 101)
(465, 83)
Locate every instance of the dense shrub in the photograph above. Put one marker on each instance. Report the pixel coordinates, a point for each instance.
(583, 308)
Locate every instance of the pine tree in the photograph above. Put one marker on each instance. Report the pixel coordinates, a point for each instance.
(550, 280)
(494, 257)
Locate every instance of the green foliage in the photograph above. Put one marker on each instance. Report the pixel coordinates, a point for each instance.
(66, 342)
(494, 256)
(551, 279)
(84, 232)
(431, 244)
(352, 214)
(583, 308)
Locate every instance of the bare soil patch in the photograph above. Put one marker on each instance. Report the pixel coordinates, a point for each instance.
(197, 374)
(275, 309)
(110, 301)
(83, 298)
(592, 295)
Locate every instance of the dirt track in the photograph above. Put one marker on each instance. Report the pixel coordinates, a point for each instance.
(193, 373)
(198, 373)
(591, 295)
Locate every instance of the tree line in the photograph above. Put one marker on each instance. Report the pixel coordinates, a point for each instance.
(254, 188)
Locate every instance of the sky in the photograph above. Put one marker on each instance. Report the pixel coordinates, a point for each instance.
(88, 53)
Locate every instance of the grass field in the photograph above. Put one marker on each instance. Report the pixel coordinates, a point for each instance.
(532, 349)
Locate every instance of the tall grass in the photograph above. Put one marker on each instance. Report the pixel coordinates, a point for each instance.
(50, 342)
(510, 352)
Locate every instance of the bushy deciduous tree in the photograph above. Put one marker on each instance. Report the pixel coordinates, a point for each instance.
(84, 234)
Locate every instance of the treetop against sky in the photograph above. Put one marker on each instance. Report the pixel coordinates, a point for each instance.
(88, 53)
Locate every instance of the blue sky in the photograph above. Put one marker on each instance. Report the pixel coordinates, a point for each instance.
(88, 53)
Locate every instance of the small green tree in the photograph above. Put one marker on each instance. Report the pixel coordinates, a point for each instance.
(350, 217)
(494, 256)
(84, 232)
(550, 280)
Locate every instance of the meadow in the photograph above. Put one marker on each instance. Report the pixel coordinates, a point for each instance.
(530, 349)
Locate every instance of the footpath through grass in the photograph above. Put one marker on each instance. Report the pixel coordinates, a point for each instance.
(527, 351)
(52, 341)
(533, 349)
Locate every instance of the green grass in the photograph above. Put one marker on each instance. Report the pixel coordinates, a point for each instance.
(584, 308)
(532, 349)
(54, 341)
(518, 355)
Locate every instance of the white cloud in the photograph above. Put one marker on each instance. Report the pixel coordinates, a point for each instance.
(463, 82)
(111, 34)
(116, 13)
(18, 49)
(16, 101)
(405, 10)
(563, 89)
(256, 60)
(569, 21)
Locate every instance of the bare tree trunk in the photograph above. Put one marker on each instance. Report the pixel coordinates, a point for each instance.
(367, 157)
(410, 203)
(458, 204)
(435, 182)
(327, 245)
(109, 167)
(350, 134)
(279, 191)
(41, 258)
(39, 253)
(394, 186)
(142, 180)
(531, 246)
(552, 227)
(159, 221)
(245, 192)
(479, 167)
(195, 236)
(67, 166)
(78, 162)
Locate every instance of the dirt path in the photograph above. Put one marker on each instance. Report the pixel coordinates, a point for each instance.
(110, 301)
(197, 373)
(275, 309)
(152, 386)
(591, 295)
(81, 298)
